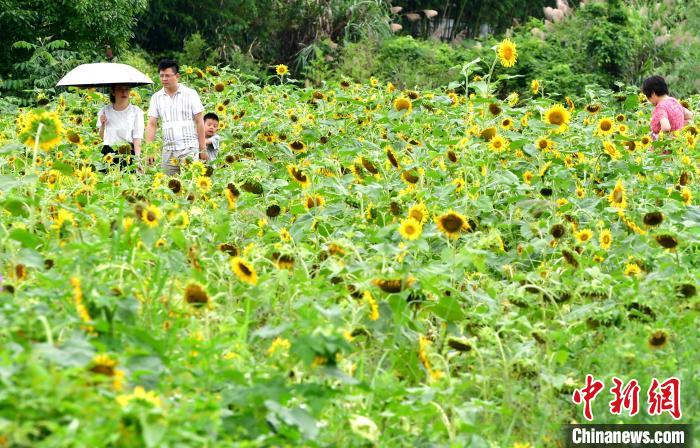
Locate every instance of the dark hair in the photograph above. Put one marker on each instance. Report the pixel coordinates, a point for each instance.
(211, 116)
(168, 63)
(112, 98)
(655, 84)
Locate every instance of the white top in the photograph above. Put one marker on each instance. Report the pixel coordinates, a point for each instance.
(122, 125)
(176, 114)
(213, 147)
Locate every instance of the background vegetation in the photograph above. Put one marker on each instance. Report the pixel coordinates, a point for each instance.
(411, 43)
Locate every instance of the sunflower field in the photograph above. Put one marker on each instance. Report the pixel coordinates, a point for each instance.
(361, 266)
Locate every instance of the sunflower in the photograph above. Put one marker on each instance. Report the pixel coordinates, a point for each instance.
(592, 108)
(452, 223)
(314, 201)
(51, 129)
(605, 239)
(151, 215)
(687, 196)
(298, 175)
(618, 197)
(611, 150)
(419, 212)
(630, 145)
(583, 235)
(557, 115)
(103, 364)
(543, 144)
(632, 269)
(410, 177)
(204, 184)
(527, 177)
(507, 53)
(410, 229)
(570, 104)
(403, 103)
(297, 146)
(658, 339)
(499, 143)
(393, 285)
(645, 141)
(281, 69)
(605, 126)
(507, 123)
(195, 295)
(219, 87)
(283, 261)
(244, 270)
(495, 109)
(557, 231)
(653, 218)
(580, 192)
(666, 241)
(534, 86)
(392, 157)
(73, 137)
(175, 185)
(220, 109)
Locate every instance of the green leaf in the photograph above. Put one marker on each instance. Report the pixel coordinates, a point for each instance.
(449, 309)
(26, 238)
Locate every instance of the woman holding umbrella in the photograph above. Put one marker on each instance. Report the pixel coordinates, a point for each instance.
(121, 126)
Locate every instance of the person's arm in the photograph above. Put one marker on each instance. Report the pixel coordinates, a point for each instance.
(102, 119)
(199, 121)
(151, 129)
(665, 124)
(687, 116)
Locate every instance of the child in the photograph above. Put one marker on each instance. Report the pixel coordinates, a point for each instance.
(668, 114)
(212, 139)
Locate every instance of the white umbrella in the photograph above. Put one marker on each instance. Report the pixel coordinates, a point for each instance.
(104, 74)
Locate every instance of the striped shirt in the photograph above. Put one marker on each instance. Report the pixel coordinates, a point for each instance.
(176, 115)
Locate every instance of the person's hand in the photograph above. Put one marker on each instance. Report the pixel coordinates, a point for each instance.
(203, 155)
(103, 119)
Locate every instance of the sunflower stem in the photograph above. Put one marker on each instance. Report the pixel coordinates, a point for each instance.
(47, 329)
(36, 145)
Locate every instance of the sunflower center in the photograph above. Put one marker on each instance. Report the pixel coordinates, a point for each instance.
(452, 223)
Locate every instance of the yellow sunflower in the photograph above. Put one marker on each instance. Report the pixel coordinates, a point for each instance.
(527, 177)
(410, 229)
(499, 143)
(419, 212)
(557, 115)
(314, 201)
(535, 86)
(618, 197)
(297, 146)
(204, 184)
(151, 215)
(281, 69)
(584, 235)
(452, 224)
(605, 239)
(244, 270)
(298, 175)
(605, 126)
(51, 129)
(403, 103)
(507, 53)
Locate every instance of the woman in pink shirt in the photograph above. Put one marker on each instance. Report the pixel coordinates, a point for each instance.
(668, 114)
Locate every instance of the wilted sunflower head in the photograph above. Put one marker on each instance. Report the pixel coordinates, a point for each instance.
(459, 344)
(410, 176)
(658, 339)
(488, 134)
(273, 211)
(175, 185)
(592, 108)
(229, 248)
(195, 295)
(686, 290)
(558, 230)
(495, 109)
(297, 146)
(666, 241)
(570, 258)
(452, 156)
(653, 218)
(393, 285)
(102, 364)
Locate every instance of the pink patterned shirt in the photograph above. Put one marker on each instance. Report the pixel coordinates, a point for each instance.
(668, 108)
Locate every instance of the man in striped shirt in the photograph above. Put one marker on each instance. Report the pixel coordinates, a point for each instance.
(179, 110)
